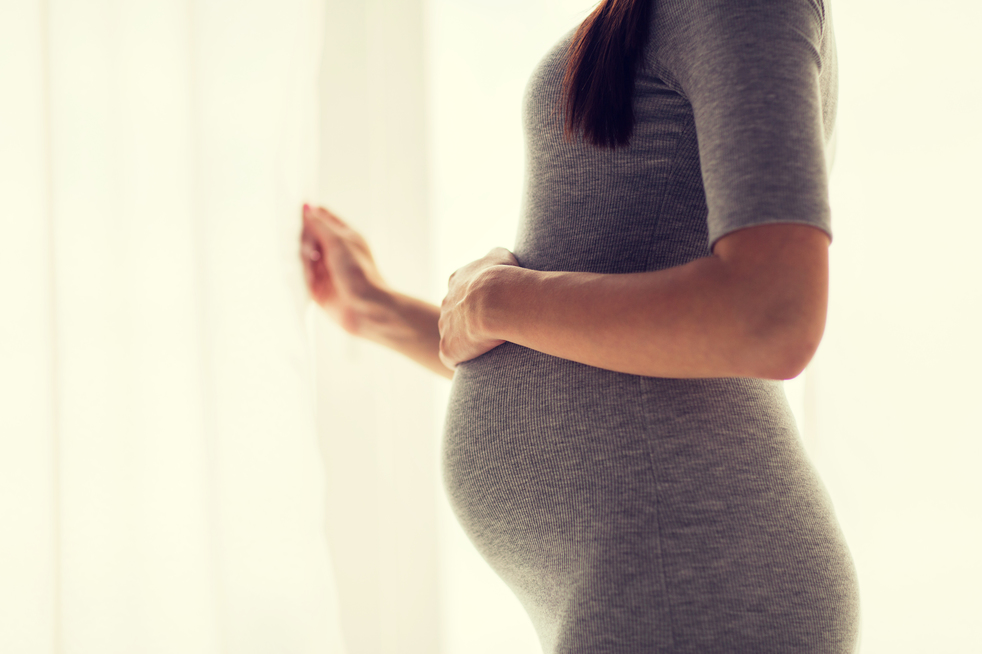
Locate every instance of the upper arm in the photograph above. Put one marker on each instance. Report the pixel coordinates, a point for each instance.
(751, 71)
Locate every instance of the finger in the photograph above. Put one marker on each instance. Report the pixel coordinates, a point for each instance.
(316, 280)
(503, 255)
(310, 249)
(320, 213)
(310, 253)
(308, 276)
(319, 281)
(311, 214)
(322, 216)
(330, 217)
(447, 361)
(320, 231)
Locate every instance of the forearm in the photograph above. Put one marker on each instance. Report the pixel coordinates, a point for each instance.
(408, 326)
(698, 320)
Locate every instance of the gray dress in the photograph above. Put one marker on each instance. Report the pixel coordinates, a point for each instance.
(641, 514)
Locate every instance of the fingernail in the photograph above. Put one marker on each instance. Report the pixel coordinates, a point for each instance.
(306, 208)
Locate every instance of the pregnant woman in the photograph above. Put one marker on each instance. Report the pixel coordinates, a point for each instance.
(618, 444)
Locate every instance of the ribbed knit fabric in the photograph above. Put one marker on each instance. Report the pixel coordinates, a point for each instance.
(642, 515)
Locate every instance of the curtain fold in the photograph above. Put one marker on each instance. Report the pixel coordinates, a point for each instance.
(162, 488)
(28, 454)
(378, 414)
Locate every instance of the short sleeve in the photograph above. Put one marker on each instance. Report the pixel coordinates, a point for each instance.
(751, 71)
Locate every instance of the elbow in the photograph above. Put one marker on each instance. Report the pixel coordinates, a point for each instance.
(784, 348)
(779, 276)
(789, 362)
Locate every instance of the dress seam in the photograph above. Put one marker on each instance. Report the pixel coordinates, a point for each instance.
(645, 437)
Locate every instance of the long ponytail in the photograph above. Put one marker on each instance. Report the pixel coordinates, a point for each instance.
(598, 88)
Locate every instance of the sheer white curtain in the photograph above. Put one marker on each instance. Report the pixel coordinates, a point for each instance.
(161, 484)
(377, 421)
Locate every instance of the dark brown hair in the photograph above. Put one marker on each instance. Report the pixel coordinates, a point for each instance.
(604, 57)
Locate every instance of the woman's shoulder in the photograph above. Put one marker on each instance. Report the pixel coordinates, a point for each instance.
(689, 35)
(719, 8)
(735, 19)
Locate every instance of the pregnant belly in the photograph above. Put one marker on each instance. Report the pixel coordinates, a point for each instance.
(585, 487)
(531, 438)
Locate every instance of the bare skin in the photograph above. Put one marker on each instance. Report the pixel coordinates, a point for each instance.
(343, 279)
(755, 308)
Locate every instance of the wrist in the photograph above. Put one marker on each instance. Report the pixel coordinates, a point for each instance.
(493, 297)
(402, 323)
